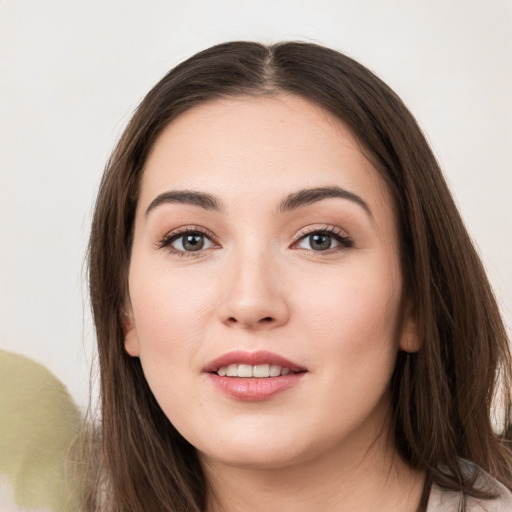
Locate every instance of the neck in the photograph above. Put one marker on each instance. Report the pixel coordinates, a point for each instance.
(347, 478)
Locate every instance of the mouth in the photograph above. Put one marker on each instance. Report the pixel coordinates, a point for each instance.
(258, 371)
(260, 364)
(253, 376)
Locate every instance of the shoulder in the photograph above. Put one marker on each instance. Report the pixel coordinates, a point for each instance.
(442, 500)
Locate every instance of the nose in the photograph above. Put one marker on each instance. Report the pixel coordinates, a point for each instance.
(253, 296)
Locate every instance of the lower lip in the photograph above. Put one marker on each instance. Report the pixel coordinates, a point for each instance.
(254, 389)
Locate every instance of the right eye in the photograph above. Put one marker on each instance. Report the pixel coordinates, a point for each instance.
(186, 242)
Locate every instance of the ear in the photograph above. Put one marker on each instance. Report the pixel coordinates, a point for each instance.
(409, 338)
(131, 336)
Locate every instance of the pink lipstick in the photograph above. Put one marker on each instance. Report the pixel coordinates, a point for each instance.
(253, 376)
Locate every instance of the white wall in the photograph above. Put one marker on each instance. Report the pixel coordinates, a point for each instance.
(71, 72)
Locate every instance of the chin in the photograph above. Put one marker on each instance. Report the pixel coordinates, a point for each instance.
(259, 450)
(253, 459)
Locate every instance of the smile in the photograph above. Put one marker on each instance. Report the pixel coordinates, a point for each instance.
(260, 364)
(253, 376)
(256, 371)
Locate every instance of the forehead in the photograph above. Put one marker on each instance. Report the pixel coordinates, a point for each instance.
(243, 146)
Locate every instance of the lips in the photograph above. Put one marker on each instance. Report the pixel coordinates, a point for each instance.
(259, 358)
(253, 376)
(257, 371)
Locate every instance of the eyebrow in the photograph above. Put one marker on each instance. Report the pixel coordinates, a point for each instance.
(291, 202)
(200, 199)
(312, 195)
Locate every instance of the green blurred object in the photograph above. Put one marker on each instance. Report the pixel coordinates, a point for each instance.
(38, 423)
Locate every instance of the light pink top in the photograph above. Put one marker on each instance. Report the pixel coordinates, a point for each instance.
(442, 500)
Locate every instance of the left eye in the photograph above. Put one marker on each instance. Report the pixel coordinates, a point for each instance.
(190, 242)
(320, 241)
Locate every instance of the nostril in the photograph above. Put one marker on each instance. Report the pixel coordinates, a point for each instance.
(265, 320)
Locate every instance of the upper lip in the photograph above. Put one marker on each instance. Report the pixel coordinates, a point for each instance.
(252, 358)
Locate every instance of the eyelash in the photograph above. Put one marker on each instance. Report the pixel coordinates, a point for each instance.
(337, 234)
(171, 237)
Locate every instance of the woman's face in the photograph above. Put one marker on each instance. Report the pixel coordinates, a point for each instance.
(265, 283)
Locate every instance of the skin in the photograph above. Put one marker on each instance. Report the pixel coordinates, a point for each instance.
(260, 284)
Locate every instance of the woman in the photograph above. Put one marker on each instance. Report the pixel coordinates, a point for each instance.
(289, 311)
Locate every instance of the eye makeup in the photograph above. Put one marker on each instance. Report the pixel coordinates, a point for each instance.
(325, 239)
(188, 241)
(194, 240)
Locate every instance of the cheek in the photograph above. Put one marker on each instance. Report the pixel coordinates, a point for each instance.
(354, 315)
(170, 310)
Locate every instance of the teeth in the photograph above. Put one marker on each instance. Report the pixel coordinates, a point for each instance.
(261, 370)
(275, 370)
(232, 370)
(244, 370)
(258, 371)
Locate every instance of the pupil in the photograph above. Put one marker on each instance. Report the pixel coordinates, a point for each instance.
(320, 242)
(193, 242)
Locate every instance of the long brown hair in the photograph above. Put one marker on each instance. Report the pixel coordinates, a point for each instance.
(441, 396)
